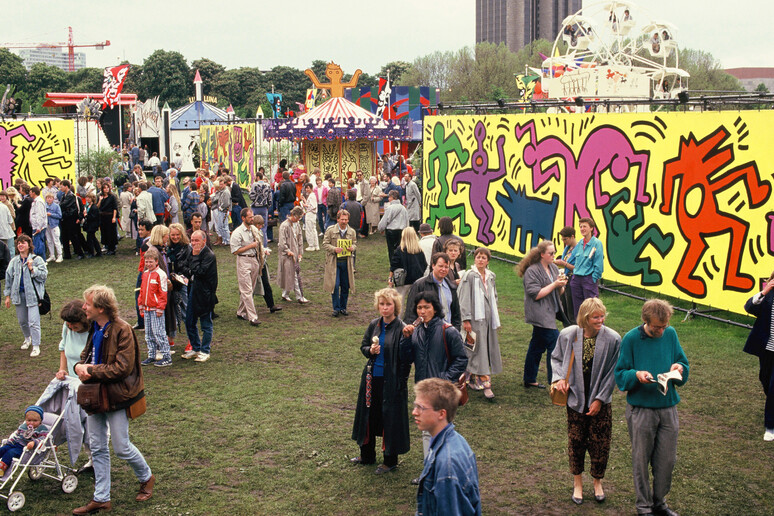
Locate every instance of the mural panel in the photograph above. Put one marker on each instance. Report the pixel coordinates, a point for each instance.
(682, 201)
(340, 158)
(35, 150)
(234, 146)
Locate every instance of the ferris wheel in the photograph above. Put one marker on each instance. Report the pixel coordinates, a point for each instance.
(614, 50)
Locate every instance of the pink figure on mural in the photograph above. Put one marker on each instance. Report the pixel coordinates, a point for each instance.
(479, 177)
(695, 163)
(605, 148)
(7, 151)
(770, 218)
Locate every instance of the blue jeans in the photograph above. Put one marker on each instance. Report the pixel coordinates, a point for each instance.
(236, 215)
(9, 242)
(203, 345)
(263, 212)
(341, 289)
(39, 244)
(322, 214)
(97, 425)
(284, 210)
(543, 341)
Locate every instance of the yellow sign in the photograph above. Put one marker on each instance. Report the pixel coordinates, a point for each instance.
(346, 245)
(36, 150)
(682, 201)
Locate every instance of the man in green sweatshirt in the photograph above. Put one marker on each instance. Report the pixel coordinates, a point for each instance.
(647, 351)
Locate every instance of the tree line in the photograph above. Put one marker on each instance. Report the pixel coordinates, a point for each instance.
(483, 72)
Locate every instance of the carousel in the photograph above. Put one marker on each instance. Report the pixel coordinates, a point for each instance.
(338, 137)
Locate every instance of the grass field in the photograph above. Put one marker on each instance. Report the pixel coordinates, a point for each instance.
(264, 427)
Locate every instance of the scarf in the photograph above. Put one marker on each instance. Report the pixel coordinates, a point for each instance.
(479, 310)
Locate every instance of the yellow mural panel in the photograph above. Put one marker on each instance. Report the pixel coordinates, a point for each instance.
(340, 158)
(36, 150)
(234, 146)
(682, 201)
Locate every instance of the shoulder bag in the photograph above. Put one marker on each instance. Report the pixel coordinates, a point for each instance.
(93, 397)
(44, 303)
(558, 397)
(460, 384)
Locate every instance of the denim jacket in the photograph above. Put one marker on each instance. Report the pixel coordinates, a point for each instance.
(449, 481)
(17, 272)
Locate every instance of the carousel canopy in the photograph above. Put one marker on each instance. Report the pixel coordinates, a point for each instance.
(338, 118)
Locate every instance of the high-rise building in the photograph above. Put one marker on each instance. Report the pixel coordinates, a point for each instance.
(50, 56)
(517, 23)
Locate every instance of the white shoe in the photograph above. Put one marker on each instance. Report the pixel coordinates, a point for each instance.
(203, 357)
(59, 260)
(286, 298)
(27, 343)
(310, 248)
(303, 300)
(49, 259)
(36, 351)
(190, 354)
(769, 435)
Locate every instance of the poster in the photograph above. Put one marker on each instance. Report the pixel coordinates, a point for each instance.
(682, 201)
(234, 146)
(36, 150)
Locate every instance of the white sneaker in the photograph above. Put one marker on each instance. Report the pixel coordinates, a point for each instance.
(203, 357)
(49, 259)
(27, 343)
(190, 354)
(36, 351)
(59, 260)
(769, 435)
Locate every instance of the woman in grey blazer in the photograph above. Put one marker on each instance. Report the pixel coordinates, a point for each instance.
(543, 287)
(590, 384)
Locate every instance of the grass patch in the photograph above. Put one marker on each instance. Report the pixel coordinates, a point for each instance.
(264, 426)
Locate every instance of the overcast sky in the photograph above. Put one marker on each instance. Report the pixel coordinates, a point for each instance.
(356, 34)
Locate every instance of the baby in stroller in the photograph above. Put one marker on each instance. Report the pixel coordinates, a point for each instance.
(30, 432)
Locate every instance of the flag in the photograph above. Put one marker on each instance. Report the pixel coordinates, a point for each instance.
(275, 99)
(384, 97)
(113, 84)
(311, 98)
(301, 107)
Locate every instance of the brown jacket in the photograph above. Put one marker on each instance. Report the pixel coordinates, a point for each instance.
(120, 366)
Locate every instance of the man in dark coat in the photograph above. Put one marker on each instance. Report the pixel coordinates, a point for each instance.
(202, 297)
(438, 283)
(71, 217)
(287, 196)
(238, 202)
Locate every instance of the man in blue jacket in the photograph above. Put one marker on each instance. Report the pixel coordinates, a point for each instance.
(449, 480)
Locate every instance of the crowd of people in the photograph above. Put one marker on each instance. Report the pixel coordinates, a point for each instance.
(434, 313)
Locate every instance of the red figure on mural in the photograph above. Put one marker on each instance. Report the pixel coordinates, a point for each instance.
(7, 152)
(223, 137)
(694, 165)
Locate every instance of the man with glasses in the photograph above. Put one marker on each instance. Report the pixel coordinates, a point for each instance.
(438, 282)
(449, 480)
(646, 352)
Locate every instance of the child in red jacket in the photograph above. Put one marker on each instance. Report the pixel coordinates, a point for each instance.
(152, 302)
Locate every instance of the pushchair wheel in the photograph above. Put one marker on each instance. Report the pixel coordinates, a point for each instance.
(35, 472)
(69, 483)
(15, 501)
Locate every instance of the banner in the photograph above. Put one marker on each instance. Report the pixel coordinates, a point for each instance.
(311, 98)
(113, 84)
(682, 201)
(275, 99)
(36, 150)
(234, 146)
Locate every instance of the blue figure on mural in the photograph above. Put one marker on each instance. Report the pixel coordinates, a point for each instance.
(534, 216)
(444, 146)
(624, 250)
(480, 177)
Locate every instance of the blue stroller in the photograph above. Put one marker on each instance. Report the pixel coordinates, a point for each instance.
(58, 402)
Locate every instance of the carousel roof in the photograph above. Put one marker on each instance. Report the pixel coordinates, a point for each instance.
(338, 118)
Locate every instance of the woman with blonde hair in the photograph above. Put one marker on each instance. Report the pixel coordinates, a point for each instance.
(453, 247)
(410, 258)
(542, 306)
(383, 396)
(175, 215)
(591, 349)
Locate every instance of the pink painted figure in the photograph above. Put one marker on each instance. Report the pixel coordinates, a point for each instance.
(605, 148)
(7, 151)
(479, 177)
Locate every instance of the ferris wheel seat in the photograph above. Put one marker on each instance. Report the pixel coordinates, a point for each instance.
(577, 42)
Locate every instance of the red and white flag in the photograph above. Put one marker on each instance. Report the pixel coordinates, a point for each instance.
(113, 84)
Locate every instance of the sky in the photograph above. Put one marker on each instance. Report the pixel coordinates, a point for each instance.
(355, 34)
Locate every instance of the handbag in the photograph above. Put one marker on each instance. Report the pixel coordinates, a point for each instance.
(137, 408)
(93, 397)
(44, 304)
(460, 383)
(558, 397)
(399, 277)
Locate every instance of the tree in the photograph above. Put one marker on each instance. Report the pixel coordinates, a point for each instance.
(706, 72)
(235, 86)
(134, 81)
(209, 71)
(291, 82)
(761, 88)
(395, 69)
(12, 70)
(85, 80)
(166, 74)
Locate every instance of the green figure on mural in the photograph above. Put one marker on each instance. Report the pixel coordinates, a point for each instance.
(443, 146)
(623, 249)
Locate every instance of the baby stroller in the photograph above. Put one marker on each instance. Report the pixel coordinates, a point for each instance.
(42, 461)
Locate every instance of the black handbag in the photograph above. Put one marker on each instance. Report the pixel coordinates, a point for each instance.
(44, 303)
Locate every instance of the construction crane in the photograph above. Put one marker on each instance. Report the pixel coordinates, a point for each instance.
(71, 46)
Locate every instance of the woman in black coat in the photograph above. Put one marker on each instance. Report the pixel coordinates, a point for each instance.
(382, 404)
(409, 257)
(761, 344)
(108, 213)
